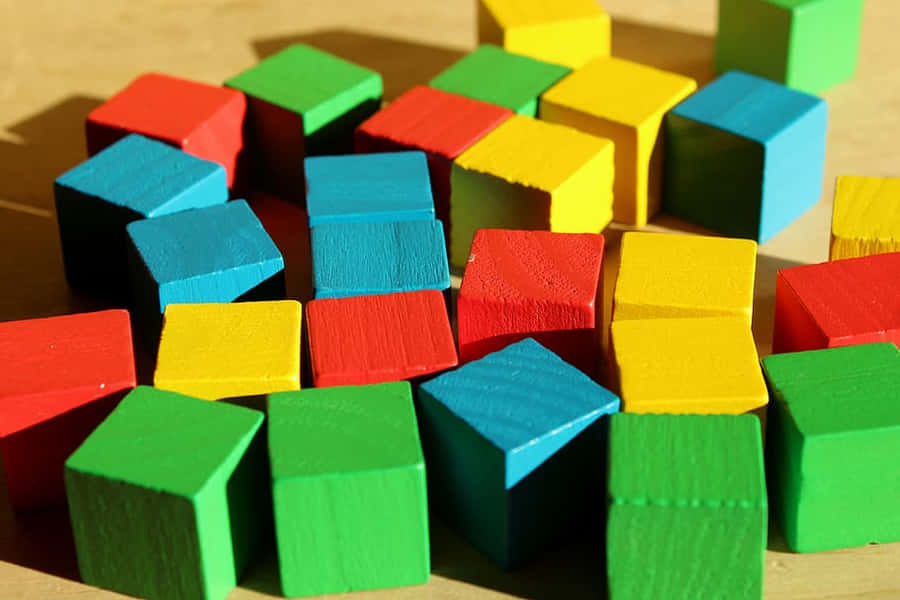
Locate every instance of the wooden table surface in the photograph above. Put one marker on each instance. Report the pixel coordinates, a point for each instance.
(60, 58)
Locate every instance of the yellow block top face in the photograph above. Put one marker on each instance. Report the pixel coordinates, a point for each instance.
(523, 13)
(701, 366)
(215, 351)
(867, 208)
(621, 91)
(663, 276)
(533, 153)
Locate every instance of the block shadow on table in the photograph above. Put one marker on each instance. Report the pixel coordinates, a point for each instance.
(684, 52)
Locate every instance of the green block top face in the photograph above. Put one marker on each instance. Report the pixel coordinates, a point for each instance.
(838, 390)
(686, 460)
(314, 84)
(168, 442)
(320, 431)
(491, 74)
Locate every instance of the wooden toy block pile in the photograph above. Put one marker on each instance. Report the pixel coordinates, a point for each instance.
(521, 428)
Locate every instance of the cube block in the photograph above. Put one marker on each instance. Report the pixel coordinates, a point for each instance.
(866, 216)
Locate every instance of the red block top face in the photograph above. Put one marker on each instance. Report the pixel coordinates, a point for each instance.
(50, 366)
(434, 121)
(375, 339)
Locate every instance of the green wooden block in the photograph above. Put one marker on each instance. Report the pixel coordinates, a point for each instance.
(491, 74)
(810, 45)
(687, 507)
(833, 442)
(348, 489)
(168, 496)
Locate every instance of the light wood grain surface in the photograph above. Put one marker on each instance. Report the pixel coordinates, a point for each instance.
(60, 58)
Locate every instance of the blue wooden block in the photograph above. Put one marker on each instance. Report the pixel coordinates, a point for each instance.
(515, 445)
(745, 156)
(356, 259)
(214, 254)
(353, 188)
(135, 178)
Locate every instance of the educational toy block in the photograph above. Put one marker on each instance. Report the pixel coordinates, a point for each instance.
(348, 489)
(374, 339)
(866, 216)
(168, 496)
(59, 378)
(215, 351)
(203, 120)
(491, 74)
(810, 45)
(568, 32)
(289, 117)
(537, 284)
(528, 174)
(368, 188)
(625, 102)
(834, 438)
(664, 276)
(134, 178)
(744, 156)
(702, 366)
(838, 303)
(215, 254)
(514, 444)
(355, 259)
(688, 513)
(440, 124)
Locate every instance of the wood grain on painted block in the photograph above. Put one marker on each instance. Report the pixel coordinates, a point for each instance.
(866, 216)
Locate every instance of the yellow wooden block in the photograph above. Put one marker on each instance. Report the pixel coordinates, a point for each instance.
(866, 217)
(666, 276)
(566, 32)
(700, 366)
(527, 174)
(626, 102)
(215, 351)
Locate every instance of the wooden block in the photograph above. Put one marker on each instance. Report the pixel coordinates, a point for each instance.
(203, 120)
(368, 188)
(289, 117)
(395, 337)
(508, 439)
(688, 514)
(664, 276)
(568, 32)
(625, 102)
(834, 435)
(538, 284)
(838, 303)
(355, 259)
(351, 510)
(168, 496)
(135, 178)
(215, 351)
(702, 366)
(491, 74)
(757, 143)
(528, 174)
(59, 378)
(215, 254)
(866, 216)
(811, 45)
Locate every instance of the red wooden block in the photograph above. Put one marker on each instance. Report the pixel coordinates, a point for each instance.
(203, 120)
(838, 303)
(375, 339)
(59, 378)
(441, 124)
(538, 284)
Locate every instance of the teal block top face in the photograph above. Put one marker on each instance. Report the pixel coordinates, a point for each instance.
(314, 84)
(148, 177)
(491, 74)
(167, 442)
(321, 431)
(371, 188)
(525, 401)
